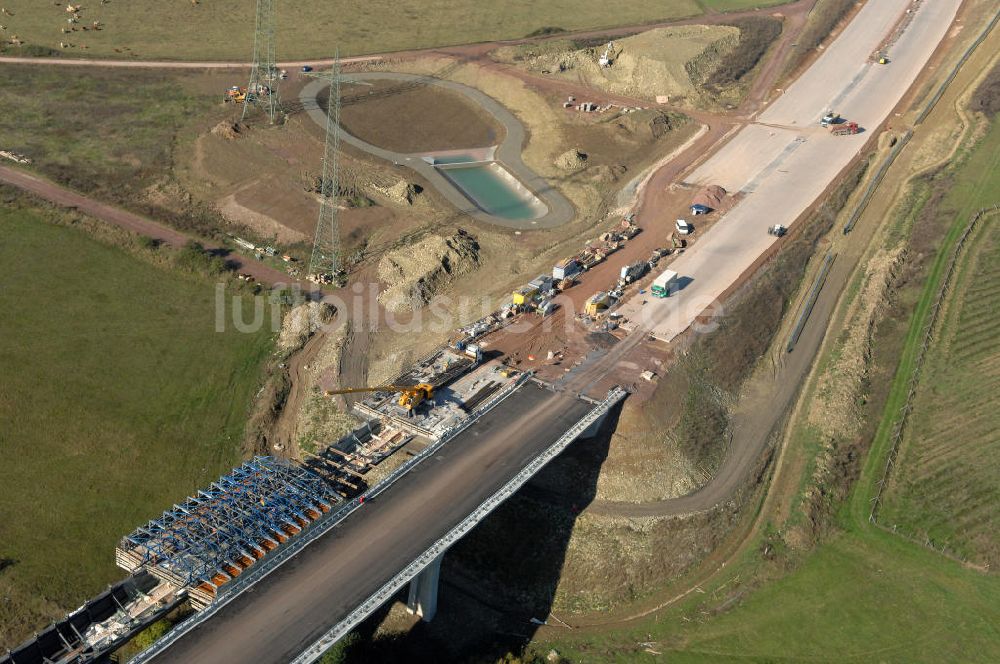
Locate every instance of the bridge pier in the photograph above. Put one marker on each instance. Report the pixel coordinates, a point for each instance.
(423, 597)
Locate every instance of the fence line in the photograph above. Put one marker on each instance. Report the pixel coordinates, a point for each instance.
(928, 333)
(876, 180)
(954, 72)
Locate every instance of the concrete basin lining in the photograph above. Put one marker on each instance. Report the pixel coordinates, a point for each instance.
(525, 197)
(558, 209)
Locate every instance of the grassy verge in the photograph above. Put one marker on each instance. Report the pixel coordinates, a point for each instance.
(944, 486)
(847, 602)
(738, 5)
(118, 398)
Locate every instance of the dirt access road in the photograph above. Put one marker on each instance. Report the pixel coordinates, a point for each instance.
(60, 195)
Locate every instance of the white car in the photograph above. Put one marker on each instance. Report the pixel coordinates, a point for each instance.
(683, 227)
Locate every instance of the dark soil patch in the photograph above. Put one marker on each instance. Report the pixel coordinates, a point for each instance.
(822, 20)
(757, 33)
(987, 97)
(407, 118)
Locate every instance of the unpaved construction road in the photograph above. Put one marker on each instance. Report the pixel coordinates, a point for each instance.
(60, 195)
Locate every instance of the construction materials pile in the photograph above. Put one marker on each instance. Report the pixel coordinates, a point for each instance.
(670, 62)
(572, 160)
(413, 274)
(710, 197)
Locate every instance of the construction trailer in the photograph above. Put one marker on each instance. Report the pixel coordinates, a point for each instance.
(597, 303)
(543, 283)
(523, 296)
(566, 268)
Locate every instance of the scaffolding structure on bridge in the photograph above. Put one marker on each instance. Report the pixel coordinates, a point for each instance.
(214, 535)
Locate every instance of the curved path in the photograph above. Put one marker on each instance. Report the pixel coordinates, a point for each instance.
(508, 153)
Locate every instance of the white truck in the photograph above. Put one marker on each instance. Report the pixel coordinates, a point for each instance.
(663, 283)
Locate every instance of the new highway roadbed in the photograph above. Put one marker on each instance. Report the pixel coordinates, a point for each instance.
(291, 608)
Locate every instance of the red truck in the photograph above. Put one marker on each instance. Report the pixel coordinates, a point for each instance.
(844, 129)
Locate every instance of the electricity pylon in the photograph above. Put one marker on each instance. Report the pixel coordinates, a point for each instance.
(324, 265)
(262, 91)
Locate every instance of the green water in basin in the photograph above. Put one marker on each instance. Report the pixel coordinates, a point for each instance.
(492, 193)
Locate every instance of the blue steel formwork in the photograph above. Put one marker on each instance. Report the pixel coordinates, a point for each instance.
(222, 529)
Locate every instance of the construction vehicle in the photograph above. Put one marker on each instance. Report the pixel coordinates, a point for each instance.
(777, 230)
(829, 119)
(410, 396)
(663, 284)
(882, 59)
(236, 94)
(632, 272)
(596, 303)
(845, 129)
(606, 59)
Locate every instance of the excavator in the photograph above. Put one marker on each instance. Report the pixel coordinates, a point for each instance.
(236, 94)
(410, 396)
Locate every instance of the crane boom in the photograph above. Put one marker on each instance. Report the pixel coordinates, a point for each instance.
(410, 396)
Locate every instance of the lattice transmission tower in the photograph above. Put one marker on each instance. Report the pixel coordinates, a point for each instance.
(324, 265)
(262, 91)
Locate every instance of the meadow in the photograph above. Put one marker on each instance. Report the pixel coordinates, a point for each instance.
(223, 29)
(117, 399)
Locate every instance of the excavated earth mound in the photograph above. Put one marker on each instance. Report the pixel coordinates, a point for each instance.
(672, 62)
(413, 274)
(571, 160)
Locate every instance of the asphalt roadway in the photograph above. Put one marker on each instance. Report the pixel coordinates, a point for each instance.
(784, 162)
(290, 609)
(558, 210)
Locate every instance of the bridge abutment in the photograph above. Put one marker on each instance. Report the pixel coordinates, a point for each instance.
(424, 591)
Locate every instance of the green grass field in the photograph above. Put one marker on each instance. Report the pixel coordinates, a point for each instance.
(117, 398)
(858, 598)
(223, 29)
(944, 486)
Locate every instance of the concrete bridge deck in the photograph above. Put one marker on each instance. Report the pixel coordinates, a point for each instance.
(294, 606)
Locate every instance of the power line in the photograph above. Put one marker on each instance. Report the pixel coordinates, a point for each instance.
(262, 91)
(325, 263)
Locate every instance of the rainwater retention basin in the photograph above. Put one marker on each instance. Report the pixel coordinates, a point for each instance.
(491, 188)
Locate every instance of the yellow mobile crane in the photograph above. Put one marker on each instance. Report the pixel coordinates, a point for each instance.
(410, 396)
